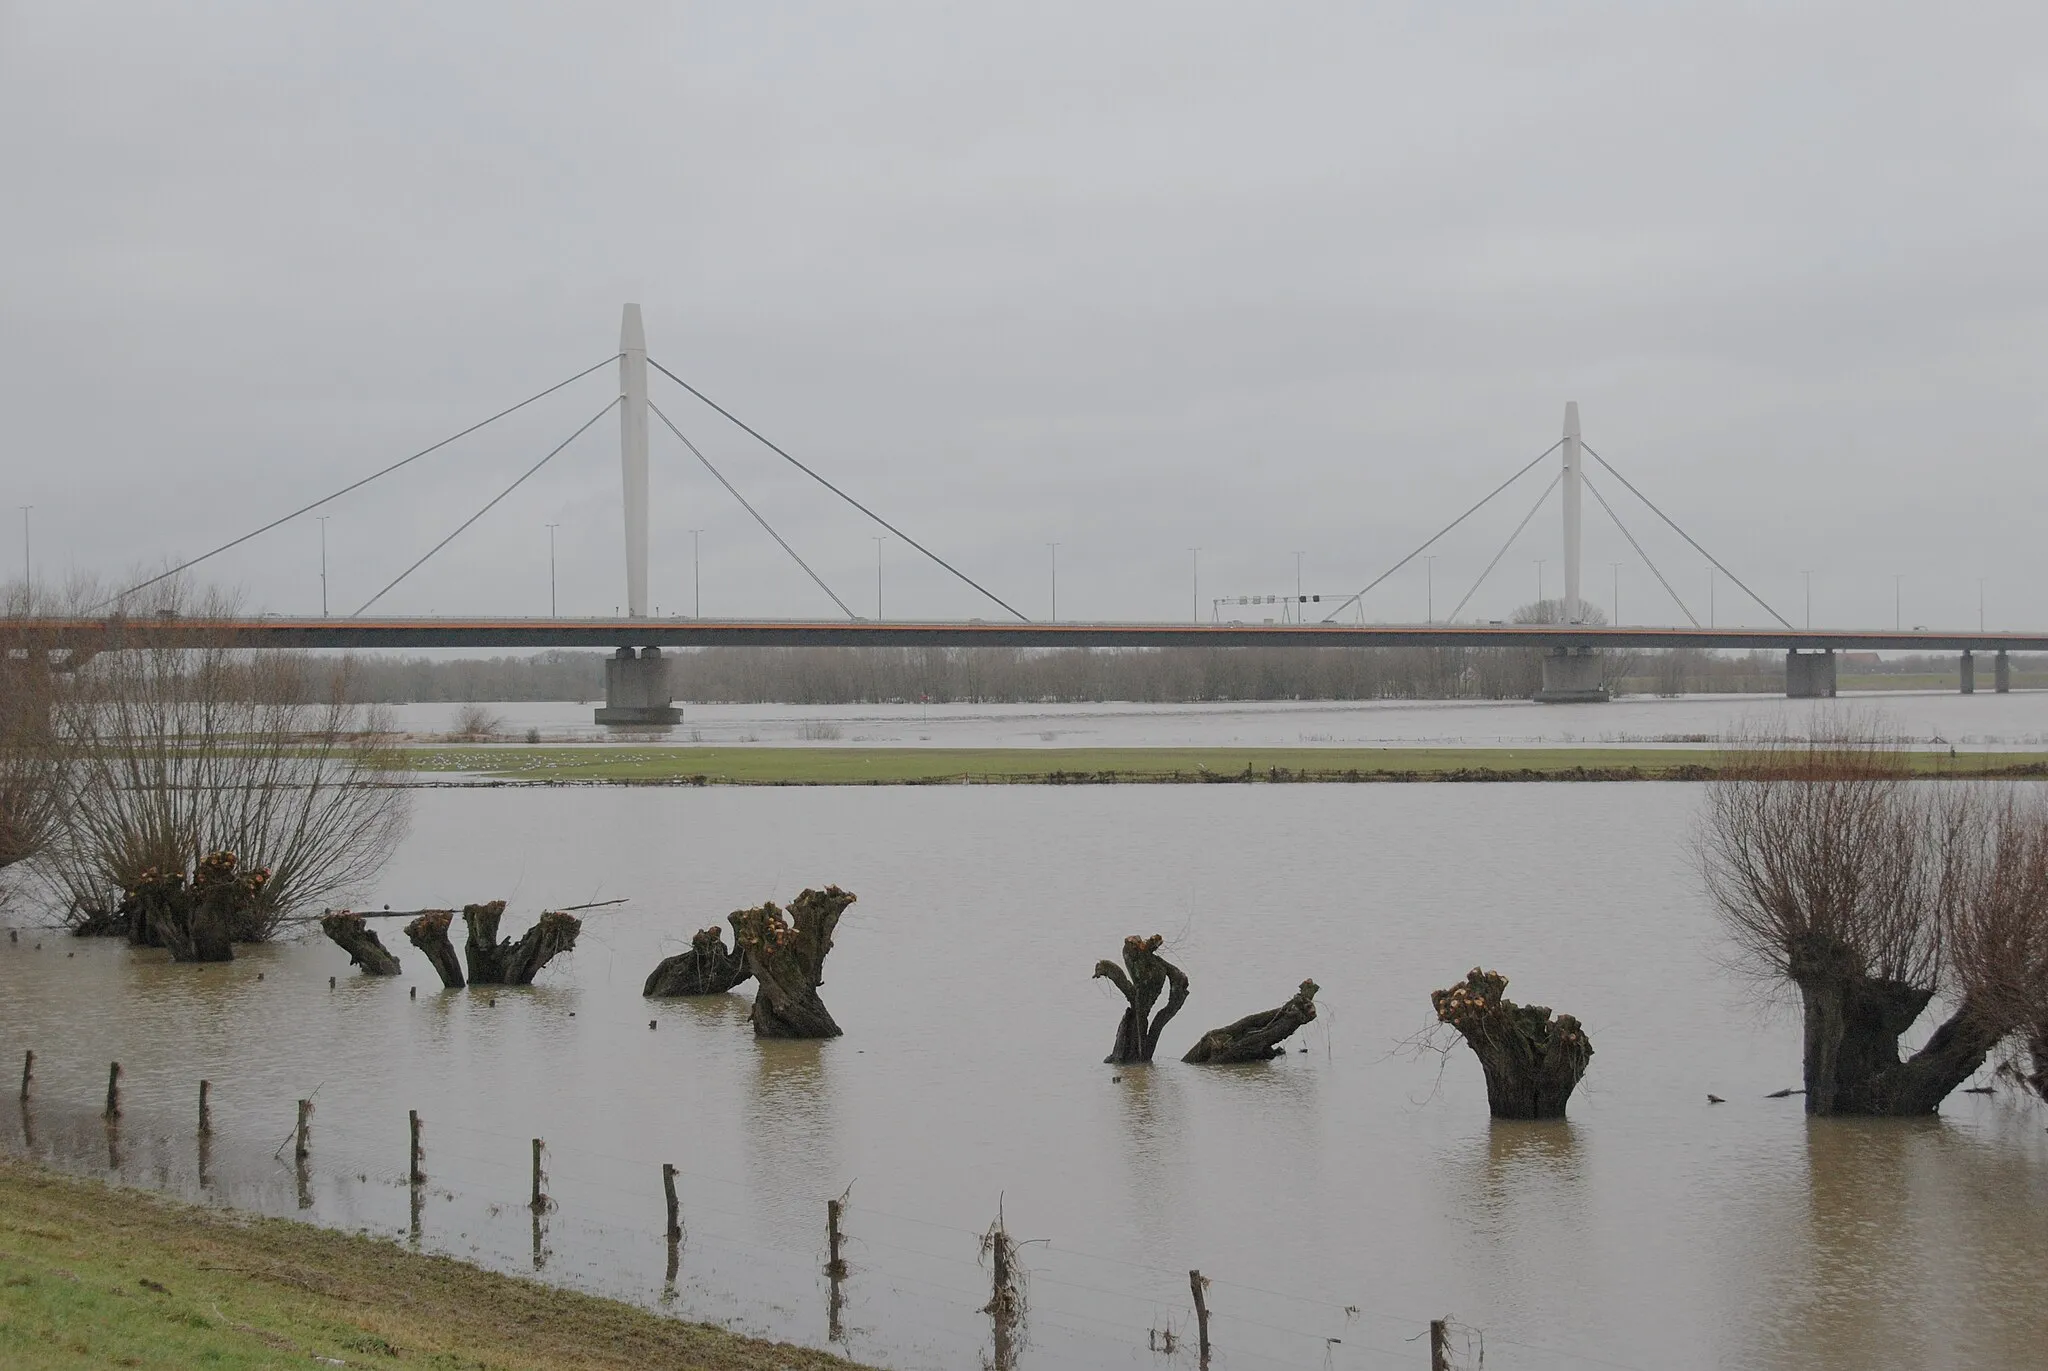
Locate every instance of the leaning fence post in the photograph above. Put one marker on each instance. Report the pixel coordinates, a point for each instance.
(540, 1201)
(113, 1090)
(1439, 1345)
(668, 1190)
(28, 1073)
(303, 1140)
(1198, 1284)
(414, 1173)
(205, 1108)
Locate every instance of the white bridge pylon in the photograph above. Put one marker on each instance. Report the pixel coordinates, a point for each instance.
(1573, 604)
(633, 455)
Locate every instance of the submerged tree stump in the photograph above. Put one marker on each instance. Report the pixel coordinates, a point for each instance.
(708, 968)
(1257, 1037)
(353, 935)
(495, 961)
(1531, 1061)
(785, 953)
(201, 919)
(1149, 974)
(429, 933)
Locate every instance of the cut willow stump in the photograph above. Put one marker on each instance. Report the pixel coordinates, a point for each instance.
(708, 968)
(786, 953)
(495, 961)
(353, 935)
(429, 933)
(1149, 973)
(1257, 1037)
(199, 920)
(1531, 1061)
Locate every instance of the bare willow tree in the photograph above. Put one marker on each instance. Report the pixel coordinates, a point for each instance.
(1873, 893)
(170, 754)
(28, 673)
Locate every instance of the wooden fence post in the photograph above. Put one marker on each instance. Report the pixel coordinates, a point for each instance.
(113, 1090)
(1198, 1285)
(540, 1201)
(415, 1174)
(302, 1146)
(205, 1108)
(668, 1190)
(28, 1073)
(1439, 1345)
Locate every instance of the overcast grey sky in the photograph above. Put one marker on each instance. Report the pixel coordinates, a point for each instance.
(1132, 277)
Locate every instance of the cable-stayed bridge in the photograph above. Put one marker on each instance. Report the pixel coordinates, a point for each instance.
(636, 685)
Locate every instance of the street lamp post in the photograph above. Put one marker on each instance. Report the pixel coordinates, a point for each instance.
(1539, 583)
(1055, 616)
(878, 574)
(1429, 590)
(322, 519)
(1809, 597)
(1297, 585)
(1617, 593)
(1980, 604)
(27, 576)
(1195, 607)
(553, 612)
(1898, 599)
(696, 577)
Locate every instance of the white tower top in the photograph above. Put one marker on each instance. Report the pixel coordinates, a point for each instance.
(1574, 607)
(633, 455)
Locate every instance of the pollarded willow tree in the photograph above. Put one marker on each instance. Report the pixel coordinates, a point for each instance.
(708, 968)
(167, 753)
(785, 953)
(1257, 1037)
(1873, 895)
(1142, 978)
(1532, 1061)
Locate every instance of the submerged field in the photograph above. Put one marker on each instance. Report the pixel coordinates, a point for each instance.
(656, 765)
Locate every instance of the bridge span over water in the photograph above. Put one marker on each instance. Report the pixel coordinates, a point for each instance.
(636, 677)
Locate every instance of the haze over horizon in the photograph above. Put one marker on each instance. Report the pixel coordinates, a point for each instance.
(1133, 279)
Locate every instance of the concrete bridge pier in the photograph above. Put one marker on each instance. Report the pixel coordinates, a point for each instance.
(1809, 675)
(636, 691)
(2001, 674)
(1969, 673)
(1573, 676)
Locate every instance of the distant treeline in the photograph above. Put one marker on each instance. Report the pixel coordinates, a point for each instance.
(818, 676)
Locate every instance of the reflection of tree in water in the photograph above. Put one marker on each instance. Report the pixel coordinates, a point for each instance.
(1523, 1184)
(1153, 1116)
(1920, 1247)
(792, 1142)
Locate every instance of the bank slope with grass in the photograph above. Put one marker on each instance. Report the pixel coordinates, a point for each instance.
(657, 765)
(93, 1276)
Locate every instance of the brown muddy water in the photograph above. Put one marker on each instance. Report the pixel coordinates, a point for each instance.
(1338, 1198)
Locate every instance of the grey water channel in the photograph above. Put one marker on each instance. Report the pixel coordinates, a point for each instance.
(1339, 1198)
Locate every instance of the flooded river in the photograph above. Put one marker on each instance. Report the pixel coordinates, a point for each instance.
(1338, 1198)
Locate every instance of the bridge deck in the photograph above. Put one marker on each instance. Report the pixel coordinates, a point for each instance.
(339, 634)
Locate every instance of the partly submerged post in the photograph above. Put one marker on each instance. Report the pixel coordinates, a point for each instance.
(1199, 1284)
(205, 1108)
(28, 1073)
(303, 1139)
(416, 1172)
(113, 1090)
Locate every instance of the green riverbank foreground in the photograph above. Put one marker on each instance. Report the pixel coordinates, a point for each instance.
(658, 765)
(94, 1276)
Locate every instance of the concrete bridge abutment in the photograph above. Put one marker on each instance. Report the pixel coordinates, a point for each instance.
(2001, 674)
(1573, 676)
(636, 690)
(1969, 673)
(1809, 675)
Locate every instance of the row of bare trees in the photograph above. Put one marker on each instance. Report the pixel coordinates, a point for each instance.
(129, 779)
(1875, 895)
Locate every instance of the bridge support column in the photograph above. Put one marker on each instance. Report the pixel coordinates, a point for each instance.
(1572, 676)
(1969, 673)
(2001, 674)
(1809, 675)
(636, 692)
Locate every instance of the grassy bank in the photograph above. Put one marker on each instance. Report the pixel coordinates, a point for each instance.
(1053, 766)
(95, 1276)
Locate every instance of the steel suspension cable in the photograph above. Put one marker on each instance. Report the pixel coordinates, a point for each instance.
(1508, 544)
(1639, 549)
(1331, 616)
(730, 490)
(762, 439)
(355, 485)
(1688, 538)
(609, 406)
